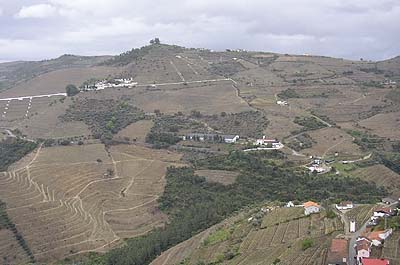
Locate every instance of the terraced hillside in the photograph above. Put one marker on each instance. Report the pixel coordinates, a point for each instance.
(280, 239)
(70, 200)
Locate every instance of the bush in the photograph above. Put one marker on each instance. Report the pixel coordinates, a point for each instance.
(307, 243)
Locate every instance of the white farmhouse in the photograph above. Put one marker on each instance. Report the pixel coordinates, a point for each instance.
(345, 205)
(311, 207)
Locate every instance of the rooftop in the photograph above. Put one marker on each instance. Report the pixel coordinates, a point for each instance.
(366, 261)
(310, 203)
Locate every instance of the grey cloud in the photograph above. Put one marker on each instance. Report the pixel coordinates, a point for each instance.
(340, 28)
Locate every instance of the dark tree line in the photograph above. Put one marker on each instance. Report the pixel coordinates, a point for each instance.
(12, 150)
(6, 222)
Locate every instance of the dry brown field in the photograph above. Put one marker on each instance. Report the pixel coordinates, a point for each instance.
(332, 140)
(382, 176)
(55, 81)
(136, 131)
(220, 176)
(385, 125)
(10, 251)
(75, 199)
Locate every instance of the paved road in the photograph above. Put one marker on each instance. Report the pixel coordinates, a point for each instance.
(352, 242)
(37, 96)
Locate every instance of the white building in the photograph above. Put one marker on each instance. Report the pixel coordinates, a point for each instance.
(282, 103)
(346, 205)
(352, 226)
(311, 207)
(230, 139)
(363, 248)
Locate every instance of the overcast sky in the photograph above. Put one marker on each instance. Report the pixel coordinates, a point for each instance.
(39, 29)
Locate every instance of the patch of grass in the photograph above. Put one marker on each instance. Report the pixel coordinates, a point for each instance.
(307, 243)
(309, 123)
(218, 236)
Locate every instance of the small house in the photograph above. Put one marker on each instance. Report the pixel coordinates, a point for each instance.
(383, 212)
(363, 248)
(345, 205)
(230, 139)
(377, 237)
(311, 207)
(338, 252)
(390, 200)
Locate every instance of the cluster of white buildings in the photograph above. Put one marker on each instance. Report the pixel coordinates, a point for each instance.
(282, 103)
(116, 83)
(271, 143)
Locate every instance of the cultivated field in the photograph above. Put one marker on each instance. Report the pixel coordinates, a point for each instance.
(391, 248)
(70, 200)
(136, 131)
(382, 176)
(248, 245)
(385, 125)
(361, 214)
(330, 141)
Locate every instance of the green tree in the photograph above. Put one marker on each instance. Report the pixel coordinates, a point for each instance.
(71, 90)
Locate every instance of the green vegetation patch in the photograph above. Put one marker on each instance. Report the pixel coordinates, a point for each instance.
(307, 243)
(166, 128)
(309, 123)
(288, 93)
(245, 124)
(227, 68)
(12, 150)
(300, 142)
(217, 237)
(104, 117)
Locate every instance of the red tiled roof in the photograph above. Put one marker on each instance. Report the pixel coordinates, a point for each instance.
(366, 261)
(375, 235)
(338, 245)
(310, 203)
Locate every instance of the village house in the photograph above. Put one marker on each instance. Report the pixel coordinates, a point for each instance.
(363, 248)
(390, 200)
(383, 212)
(272, 143)
(338, 252)
(367, 261)
(311, 207)
(377, 237)
(345, 205)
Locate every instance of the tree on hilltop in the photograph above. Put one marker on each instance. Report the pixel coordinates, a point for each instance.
(71, 90)
(155, 41)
